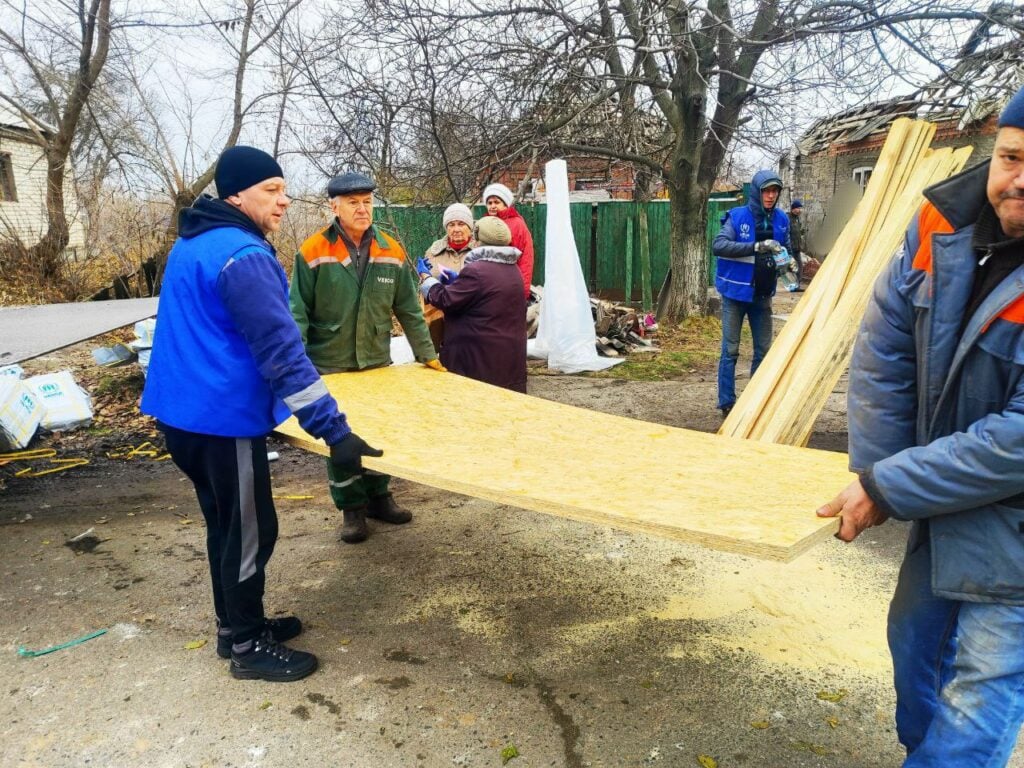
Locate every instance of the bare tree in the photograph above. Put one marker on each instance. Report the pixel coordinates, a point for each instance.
(669, 85)
(253, 26)
(60, 66)
(403, 101)
(163, 127)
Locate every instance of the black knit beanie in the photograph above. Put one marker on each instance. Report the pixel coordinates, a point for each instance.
(240, 167)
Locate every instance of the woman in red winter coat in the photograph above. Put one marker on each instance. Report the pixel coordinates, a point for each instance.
(498, 199)
(484, 310)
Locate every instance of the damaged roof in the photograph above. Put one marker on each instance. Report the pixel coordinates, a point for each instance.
(977, 87)
(14, 126)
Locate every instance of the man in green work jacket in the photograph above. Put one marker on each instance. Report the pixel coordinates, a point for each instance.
(347, 280)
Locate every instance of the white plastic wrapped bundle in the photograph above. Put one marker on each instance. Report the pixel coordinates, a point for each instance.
(565, 335)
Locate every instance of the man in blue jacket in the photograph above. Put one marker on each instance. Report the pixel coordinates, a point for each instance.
(746, 274)
(227, 366)
(936, 411)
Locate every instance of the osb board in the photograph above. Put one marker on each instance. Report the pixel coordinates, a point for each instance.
(454, 433)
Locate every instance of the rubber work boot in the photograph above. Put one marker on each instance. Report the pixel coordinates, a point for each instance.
(385, 509)
(271, 661)
(354, 529)
(281, 629)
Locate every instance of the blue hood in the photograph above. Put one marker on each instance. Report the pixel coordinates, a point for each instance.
(760, 180)
(209, 213)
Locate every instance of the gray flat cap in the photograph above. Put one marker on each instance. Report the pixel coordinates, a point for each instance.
(350, 183)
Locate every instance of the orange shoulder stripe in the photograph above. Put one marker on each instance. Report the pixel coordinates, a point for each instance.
(317, 247)
(394, 252)
(929, 222)
(1015, 312)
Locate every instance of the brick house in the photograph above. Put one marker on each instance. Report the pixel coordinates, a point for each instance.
(591, 179)
(841, 150)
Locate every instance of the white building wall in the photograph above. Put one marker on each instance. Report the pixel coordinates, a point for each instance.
(26, 217)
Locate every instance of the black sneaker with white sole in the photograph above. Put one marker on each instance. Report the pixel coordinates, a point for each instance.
(271, 661)
(282, 629)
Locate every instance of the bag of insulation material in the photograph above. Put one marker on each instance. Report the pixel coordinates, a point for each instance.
(20, 413)
(65, 404)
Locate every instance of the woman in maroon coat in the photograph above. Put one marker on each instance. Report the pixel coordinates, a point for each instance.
(484, 310)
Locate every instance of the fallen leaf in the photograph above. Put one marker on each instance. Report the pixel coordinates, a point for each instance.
(704, 761)
(833, 721)
(195, 645)
(806, 746)
(832, 695)
(760, 724)
(266, 705)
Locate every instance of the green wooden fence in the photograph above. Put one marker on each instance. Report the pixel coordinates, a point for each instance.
(607, 238)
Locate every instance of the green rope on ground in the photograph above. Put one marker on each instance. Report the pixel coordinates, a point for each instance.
(62, 646)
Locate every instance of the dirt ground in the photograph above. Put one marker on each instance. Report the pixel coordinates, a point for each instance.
(475, 631)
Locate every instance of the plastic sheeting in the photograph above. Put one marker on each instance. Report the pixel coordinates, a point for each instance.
(565, 335)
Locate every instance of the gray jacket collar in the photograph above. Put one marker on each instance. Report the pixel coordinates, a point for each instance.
(960, 198)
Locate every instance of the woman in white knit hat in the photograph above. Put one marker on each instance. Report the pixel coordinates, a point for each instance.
(499, 201)
(449, 252)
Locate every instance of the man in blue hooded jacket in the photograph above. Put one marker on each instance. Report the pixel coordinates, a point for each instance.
(227, 366)
(936, 412)
(746, 275)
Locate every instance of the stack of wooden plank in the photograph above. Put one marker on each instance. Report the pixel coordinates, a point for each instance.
(793, 382)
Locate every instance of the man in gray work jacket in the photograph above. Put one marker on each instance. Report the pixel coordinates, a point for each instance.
(936, 410)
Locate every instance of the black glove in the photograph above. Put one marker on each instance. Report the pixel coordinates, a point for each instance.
(767, 246)
(347, 454)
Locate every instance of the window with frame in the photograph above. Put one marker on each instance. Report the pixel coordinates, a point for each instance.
(592, 182)
(8, 193)
(862, 176)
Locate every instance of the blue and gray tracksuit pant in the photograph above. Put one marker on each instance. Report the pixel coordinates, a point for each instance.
(232, 481)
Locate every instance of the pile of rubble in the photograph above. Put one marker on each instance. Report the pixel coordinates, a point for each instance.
(623, 330)
(620, 330)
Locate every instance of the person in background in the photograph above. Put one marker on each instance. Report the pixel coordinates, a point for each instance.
(346, 282)
(498, 199)
(484, 308)
(448, 252)
(796, 235)
(936, 411)
(746, 275)
(227, 366)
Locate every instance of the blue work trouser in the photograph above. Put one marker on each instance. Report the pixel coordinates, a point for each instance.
(759, 312)
(959, 673)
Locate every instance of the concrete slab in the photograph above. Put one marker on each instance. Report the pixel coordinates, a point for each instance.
(27, 332)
